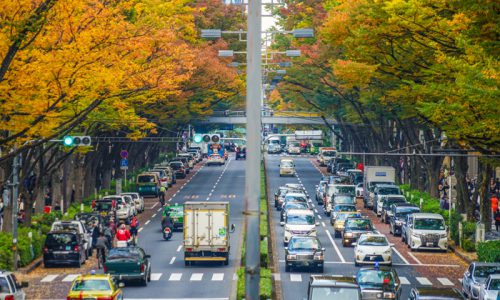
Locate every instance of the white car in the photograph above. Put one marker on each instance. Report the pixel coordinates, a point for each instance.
(10, 288)
(490, 290)
(372, 248)
(299, 222)
(293, 148)
(131, 204)
(295, 197)
(359, 190)
(215, 159)
(138, 200)
(78, 226)
(425, 231)
(123, 211)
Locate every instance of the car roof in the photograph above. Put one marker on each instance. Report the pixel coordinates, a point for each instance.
(295, 194)
(380, 268)
(63, 232)
(332, 280)
(495, 276)
(405, 204)
(5, 272)
(93, 276)
(386, 185)
(300, 212)
(427, 215)
(442, 293)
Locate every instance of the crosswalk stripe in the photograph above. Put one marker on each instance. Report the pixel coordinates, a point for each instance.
(445, 281)
(70, 277)
(404, 280)
(196, 277)
(155, 276)
(49, 278)
(175, 277)
(295, 277)
(218, 277)
(423, 281)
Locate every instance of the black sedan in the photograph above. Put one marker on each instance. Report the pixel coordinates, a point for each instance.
(399, 211)
(379, 283)
(353, 228)
(304, 251)
(241, 153)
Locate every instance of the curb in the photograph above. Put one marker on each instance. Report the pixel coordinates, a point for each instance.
(32, 266)
(460, 255)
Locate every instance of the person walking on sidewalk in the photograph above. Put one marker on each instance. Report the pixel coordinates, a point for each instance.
(497, 219)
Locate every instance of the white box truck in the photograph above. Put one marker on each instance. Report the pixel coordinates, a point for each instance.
(206, 232)
(376, 175)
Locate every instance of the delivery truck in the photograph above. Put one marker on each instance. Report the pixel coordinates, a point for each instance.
(206, 232)
(374, 175)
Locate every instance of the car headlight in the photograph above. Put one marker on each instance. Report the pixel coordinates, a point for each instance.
(348, 234)
(388, 295)
(388, 251)
(416, 235)
(318, 256)
(291, 256)
(398, 222)
(443, 235)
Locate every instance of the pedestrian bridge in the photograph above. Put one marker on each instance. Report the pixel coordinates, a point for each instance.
(275, 117)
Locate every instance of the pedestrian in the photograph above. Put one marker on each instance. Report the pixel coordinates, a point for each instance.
(494, 203)
(497, 219)
(101, 246)
(95, 233)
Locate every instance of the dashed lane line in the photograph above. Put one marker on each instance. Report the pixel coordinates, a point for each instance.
(155, 276)
(140, 229)
(179, 248)
(49, 278)
(218, 277)
(445, 281)
(152, 217)
(404, 280)
(335, 246)
(172, 260)
(175, 277)
(196, 277)
(295, 277)
(147, 222)
(70, 278)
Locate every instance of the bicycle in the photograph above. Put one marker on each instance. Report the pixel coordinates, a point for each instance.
(100, 257)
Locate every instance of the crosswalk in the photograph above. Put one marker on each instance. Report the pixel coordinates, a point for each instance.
(193, 277)
(416, 281)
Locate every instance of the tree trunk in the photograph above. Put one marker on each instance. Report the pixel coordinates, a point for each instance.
(485, 203)
(463, 194)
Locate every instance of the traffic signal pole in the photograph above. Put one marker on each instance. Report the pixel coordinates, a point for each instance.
(252, 170)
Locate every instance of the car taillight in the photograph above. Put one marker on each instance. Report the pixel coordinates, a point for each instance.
(105, 298)
(9, 297)
(143, 267)
(221, 249)
(45, 249)
(163, 179)
(105, 269)
(189, 249)
(77, 248)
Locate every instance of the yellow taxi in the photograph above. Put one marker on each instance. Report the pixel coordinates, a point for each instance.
(338, 224)
(95, 286)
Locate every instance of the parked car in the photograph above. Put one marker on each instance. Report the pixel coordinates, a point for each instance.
(78, 227)
(130, 203)
(475, 276)
(64, 247)
(386, 213)
(95, 286)
(304, 251)
(190, 159)
(425, 231)
(490, 290)
(398, 216)
(435, 293)
(179, 169)
(359, 190)
(89, 219)
(295, 197)
(184, 161)
(148, 184)
(354, 228)
(320, 191)
(10, 288)
(323, 287)
(279, 197)
(162, 175)
(299, 222)
(123, 210)
(138, 201)
(170, 173)
(372, 248)
(379, 283)
(129, 264)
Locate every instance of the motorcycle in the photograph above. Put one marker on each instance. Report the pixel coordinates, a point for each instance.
(167, 233)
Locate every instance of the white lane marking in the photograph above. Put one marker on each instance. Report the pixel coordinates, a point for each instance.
(295, 277)
(319, 217)
(445, 281)
(460, 279)
(323, 224)
(315, 210)
(153, 216)
(209, 195)
(175, 277)
(172, 260)
(277, 276)
(313, 205)
(416, 259)
(174, 195)
(155, 276)
(147, 222)
(404, 280)
(208, 198)
(196, 277)
(179, 248)
(423, 281)
(49, 278)
(160, 207)
(400, 256)
(218, 277)
(335, 246)
(154, 205)
(70, 277)
(140, 229)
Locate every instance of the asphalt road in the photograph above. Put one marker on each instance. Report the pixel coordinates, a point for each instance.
(412, 271)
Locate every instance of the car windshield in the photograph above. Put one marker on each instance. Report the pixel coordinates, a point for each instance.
(64, 226)
(296, 205)
(103, 205)
(344, 208)
(389, 202)
(286, 164)
(145, 179)
(337, 293)
(304, 244)
(134, 196)
(294, 145)
(115, 253)
(485, 271)
(429, 224)
(375, 277)
(388, 191)
(295, 198)
(300, 219)
(401, 212)
(58, 239)
(344, 199)
(345, 190)
(91, 285)
(359, 224)
(342, 216)
(176, 166)
(373, 241)
(494, 285)
(329, 153)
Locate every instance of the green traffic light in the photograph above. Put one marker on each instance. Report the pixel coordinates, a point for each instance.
(198, 138)
(68, 141)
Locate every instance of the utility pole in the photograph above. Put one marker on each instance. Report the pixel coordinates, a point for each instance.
(252, 170)
(15, 193)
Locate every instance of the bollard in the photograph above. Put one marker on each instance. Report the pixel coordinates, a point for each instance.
(421, 203)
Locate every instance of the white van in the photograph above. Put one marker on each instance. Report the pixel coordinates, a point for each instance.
(287, 167)
(299, 222)
(425, 231)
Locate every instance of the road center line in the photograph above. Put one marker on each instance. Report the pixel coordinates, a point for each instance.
(172, 260)
(153, 216)
(335, 246)
(179, 248)
(147, 222)
(154, 205)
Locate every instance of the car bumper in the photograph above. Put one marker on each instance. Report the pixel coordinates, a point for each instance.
(383, 259)
(305, 263)
(129, 277)
(69, 260)
(416, 243)
(349, 240)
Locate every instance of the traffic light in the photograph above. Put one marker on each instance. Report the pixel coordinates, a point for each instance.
(214, 138)
(77, 141)
(198, 138)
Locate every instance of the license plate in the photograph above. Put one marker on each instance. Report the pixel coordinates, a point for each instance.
(61, 252)
(430, 244)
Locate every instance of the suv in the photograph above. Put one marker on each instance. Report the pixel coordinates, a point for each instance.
(379, 194)
(138, 201)
(64, 247)
(78, 227)
(326, 286)
(123, 211)
(10, 287)
(398, 214)
(299, 222)
(388, 201)
(425, 231)
(304, 251)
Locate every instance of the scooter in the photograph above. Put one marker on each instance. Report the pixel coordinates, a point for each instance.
(167, 233)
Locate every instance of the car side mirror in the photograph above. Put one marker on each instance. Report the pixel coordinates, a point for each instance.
(323, 249)
(282, 223)
(147, 256)
(232, 228)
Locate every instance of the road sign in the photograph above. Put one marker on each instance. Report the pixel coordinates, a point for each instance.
(124, 164)
(124, 154)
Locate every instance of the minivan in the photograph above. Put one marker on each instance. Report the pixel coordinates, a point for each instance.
(63, 247)
(148, 184)
(287, 167)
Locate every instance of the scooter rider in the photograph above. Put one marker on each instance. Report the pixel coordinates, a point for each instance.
(166, 220)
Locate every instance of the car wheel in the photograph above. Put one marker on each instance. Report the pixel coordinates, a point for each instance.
(356, 264)
(287, 268)
(149, 276)
(79, 262)
(390, 229)
(403, 239)
(144, 281)
(321, 269)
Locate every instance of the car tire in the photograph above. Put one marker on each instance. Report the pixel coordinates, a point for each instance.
(390, 229)
(144, 281)
(403, 239)
(79, 262)
(288, 268)
(356, 264)
(320, 269)
(46, 265)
